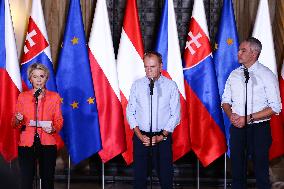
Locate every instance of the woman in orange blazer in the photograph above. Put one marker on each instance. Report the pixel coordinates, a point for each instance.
(49, 124)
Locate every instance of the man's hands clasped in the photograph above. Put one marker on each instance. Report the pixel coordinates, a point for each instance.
(146, 140)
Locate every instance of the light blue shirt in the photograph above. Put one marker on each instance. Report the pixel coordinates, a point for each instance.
(165, 101)
(263, 90)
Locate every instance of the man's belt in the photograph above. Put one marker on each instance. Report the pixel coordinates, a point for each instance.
(148, 134)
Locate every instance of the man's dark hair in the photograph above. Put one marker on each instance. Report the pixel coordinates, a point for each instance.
(255, 45)
(153, 53)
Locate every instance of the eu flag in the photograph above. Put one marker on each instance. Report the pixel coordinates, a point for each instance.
(226, 52)
(81, 131)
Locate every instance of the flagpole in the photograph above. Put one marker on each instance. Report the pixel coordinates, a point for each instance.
(103, 175)
(225, 172)
(198, 174)
(69, 172)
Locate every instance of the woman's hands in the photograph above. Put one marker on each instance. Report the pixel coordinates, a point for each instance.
(19, 117)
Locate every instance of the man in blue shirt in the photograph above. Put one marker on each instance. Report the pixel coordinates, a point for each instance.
(165, 117)
(263, 100)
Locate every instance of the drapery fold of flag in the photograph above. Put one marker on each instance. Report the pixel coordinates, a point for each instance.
(263, 32)
(168, 46)
(10, 86)
(203, 101)
(104, 73)
(81, 132)
(225, 56)
(129, 65)
(36, 47)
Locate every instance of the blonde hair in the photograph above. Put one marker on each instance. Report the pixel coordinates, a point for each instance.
(38, 66)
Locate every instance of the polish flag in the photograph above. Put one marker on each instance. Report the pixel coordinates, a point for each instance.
(263, 32)
(130, 65)
(11, 85)
(104, 74)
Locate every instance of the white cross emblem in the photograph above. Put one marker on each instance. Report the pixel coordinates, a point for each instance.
(30, 40)
(194, 39)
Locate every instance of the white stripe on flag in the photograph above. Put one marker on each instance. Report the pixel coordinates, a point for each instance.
(130, 66)
(12, 65)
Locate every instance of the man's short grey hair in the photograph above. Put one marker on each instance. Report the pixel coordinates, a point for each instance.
(255, 45)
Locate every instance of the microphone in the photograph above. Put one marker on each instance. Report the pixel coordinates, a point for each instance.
(38, 92)
(246, 74)
(151, 85)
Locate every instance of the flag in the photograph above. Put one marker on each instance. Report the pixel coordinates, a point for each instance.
(168, 46)
(130, 66)
(263, 32)
(10, 86)
(226, 54)
(203, 101)
(81, 132)
(36, 47)
(104, 73)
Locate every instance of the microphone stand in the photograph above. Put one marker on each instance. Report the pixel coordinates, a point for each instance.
(36, 139)
(151, 85)
(246, 74)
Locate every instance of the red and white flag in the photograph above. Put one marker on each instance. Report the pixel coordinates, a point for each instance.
(130, 65)
(10, 86)
(263, 32)
(104, 74)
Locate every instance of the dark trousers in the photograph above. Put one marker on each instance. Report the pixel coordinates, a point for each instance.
(252, 142)
(162, 161)
(46, 156)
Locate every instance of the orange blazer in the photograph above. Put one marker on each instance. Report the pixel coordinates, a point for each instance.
(49, 109)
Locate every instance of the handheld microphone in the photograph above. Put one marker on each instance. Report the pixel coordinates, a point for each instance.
(246, 74)
(151, 85)
(38, 92)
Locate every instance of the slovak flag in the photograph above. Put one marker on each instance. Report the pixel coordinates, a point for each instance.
(168, 46)
(203, 101)
(37, 48)
(130, 65)
(10, 86)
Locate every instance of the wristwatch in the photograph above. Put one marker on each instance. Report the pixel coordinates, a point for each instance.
(164, 136)
(251, 119)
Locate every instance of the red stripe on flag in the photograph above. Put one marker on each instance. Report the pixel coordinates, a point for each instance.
(277, 128)
(110, 114)
(8, 136)
(128, 154)
(181, 141)
(131, 26)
